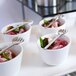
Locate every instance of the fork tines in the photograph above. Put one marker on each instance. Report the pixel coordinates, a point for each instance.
(18, 39)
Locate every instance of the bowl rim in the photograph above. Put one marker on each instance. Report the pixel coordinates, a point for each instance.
(21, 51)
(48, 18)
(53, 50)
(15, 24)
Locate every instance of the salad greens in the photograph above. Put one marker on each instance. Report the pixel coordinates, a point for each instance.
(22, 27)
(6, 55)
(45, 21)
(18, 29)
(43, 42)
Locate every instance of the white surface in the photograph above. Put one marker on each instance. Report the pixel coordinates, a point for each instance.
(32, 64)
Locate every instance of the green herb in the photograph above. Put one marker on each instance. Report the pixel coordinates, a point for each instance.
(23, 26)
(16, 30)
(6, 55)
(43, 42)
(45, 21)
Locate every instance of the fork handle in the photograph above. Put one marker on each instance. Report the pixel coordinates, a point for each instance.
(15, 43)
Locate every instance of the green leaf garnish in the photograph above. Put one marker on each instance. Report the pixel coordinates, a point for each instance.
(18, 28)
(6, 55)
(23, 26)
(45, 21)
(43, 42)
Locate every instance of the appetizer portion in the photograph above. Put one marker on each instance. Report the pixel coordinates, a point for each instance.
(19, 29)
(7, 55)
(59, 43)
(53, 22)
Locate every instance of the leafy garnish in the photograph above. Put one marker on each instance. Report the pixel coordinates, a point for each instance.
(16, 30)
(43, 42)
(6, 55)
(45, 21)
(22, 27)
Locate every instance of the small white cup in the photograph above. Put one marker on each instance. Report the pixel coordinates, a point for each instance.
(45, 30)
(12, 67)
(55, 56)
(25, 35)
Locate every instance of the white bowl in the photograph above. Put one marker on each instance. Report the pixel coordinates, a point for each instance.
(55, 56)
(45, 30)
(25, 35)
(12, 67)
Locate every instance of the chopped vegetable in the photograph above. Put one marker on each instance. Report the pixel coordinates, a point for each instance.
(6, 55)
(19, 29)
(23, 26)
(16, 30)
(43, 42)
(45, 21)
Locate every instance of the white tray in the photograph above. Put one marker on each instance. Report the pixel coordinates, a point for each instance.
(32, 65)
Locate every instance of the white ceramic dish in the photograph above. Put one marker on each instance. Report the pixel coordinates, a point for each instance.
(45, 30)
(25, 35)
(55, 56)
(12, 67)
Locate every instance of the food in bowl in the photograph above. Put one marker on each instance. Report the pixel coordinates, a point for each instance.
(19, 29)
(53, 22)
(57, 44)
(57, 53)
(11, 67)
(7, 55)
(51, 25)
